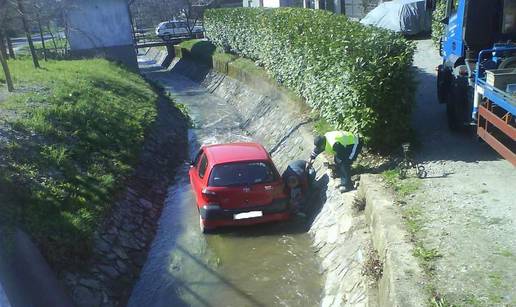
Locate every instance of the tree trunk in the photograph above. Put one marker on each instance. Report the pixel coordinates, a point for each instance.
(3, 46)
(49, 30)
(5, 67)
(28, 34)
(45, 56)
(10, 46)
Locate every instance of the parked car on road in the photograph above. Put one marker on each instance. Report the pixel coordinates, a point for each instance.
(237, 184)
(172, 29)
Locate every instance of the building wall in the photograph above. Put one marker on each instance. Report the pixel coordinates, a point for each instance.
(359, 8)
(355, 9)
(272, 3)
(101, 28)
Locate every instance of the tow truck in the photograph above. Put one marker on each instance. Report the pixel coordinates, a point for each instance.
(477, 78)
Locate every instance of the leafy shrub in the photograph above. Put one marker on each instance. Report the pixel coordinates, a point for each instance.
(76, 136)
(437, 25)
(359, 78)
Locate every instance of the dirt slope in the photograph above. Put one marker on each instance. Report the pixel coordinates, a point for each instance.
(466, 209)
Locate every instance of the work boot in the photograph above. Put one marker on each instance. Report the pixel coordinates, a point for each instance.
(343, 189)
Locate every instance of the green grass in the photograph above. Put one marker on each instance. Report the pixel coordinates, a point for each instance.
(77, 135)
(427, 256)
(412, 216)
(249, 66)
(402, 187)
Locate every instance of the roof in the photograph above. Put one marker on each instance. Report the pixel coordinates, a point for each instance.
(235, 152)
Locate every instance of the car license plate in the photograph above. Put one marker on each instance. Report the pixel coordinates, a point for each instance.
(247, 215)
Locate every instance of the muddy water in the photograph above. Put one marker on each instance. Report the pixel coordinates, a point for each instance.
(267, 265)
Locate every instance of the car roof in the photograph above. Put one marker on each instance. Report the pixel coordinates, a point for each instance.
(235, 152)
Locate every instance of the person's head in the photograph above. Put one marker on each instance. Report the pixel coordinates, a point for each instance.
(320, 142)
(292, 182)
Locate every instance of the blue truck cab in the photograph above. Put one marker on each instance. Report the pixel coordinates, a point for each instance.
(478, 50)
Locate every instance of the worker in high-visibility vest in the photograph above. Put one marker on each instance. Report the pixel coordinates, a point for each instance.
(345, 147)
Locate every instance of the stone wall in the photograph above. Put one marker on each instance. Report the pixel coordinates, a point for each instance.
(121, 243)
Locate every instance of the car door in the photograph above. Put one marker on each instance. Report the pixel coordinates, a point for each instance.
(182, 29)
(169, 28)
(198, 175)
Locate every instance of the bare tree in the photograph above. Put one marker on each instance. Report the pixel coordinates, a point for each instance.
(26, 28)
(193, 11)
(10, 46)
(37, 8)
(3, 56)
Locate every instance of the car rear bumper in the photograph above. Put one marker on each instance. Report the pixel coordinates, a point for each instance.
(278, 210)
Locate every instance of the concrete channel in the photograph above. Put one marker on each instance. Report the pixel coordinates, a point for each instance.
(324, 259)
(255, 266)
(309, 261)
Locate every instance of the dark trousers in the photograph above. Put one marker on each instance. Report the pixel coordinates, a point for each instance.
(343, 168)
(343, 163)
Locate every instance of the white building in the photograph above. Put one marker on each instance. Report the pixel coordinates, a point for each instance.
(272, 3)
(101, 28)
(351, 8)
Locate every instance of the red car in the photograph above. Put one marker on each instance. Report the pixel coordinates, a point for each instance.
(237, 184)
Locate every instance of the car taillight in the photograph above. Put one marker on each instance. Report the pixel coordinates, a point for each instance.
(209, 195)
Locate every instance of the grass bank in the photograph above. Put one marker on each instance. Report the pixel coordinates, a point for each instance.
(72, 134)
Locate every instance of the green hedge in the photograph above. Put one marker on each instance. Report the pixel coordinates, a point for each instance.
(359, 78)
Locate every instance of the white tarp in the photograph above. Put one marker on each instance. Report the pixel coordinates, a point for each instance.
(406, 16)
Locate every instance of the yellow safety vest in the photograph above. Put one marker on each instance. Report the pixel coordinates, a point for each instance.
(341, 137)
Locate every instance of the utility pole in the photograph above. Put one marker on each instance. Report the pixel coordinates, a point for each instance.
(28, 34)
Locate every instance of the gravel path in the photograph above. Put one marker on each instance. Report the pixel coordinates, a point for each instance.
(467, 206)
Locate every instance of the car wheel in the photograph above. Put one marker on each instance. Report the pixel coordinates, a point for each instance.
(204, 230)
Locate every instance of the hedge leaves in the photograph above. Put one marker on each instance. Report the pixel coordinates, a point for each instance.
(359, 78)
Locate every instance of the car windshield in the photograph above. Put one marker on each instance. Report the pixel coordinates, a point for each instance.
(238, 174)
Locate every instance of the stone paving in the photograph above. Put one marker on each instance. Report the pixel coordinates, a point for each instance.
(121, 244)
(341, 238)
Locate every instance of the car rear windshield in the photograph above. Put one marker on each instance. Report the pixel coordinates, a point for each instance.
(241, 173)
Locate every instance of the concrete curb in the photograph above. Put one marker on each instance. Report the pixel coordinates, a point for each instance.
(402, 283)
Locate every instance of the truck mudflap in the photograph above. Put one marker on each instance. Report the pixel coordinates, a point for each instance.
(497, 128)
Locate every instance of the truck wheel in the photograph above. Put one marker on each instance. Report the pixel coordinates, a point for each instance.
(443, 83)
(456, 104)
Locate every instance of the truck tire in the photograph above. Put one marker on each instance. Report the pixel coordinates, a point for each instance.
(444, 77)
(456, 104)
